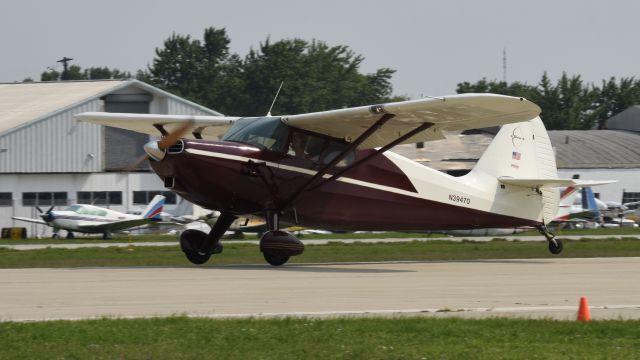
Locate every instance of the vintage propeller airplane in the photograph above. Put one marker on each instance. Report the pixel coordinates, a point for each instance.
(332, 169)
(92, 219)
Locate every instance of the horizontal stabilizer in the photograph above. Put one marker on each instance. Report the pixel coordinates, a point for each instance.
(553, 183)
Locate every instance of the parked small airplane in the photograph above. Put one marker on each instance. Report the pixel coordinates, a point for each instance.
(579, 204)
(96, 220)
(332, 170)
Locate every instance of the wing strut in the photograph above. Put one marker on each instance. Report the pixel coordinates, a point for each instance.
(404, 137)
(364, 136)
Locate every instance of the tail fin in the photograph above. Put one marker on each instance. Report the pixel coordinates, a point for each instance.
(589, 203)
(523, 151)
(153, 210)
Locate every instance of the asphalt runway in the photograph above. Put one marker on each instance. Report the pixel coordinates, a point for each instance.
(530, 288)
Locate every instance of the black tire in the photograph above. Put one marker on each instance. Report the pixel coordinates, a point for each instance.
(193, 243)
(276, 259)
(555, 248)
(55, 236)
(196, 257)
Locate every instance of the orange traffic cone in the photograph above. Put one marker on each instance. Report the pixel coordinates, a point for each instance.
(583, 310)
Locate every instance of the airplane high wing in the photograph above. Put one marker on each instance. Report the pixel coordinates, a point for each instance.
(451, 113)
(208, 127)
(455, 112)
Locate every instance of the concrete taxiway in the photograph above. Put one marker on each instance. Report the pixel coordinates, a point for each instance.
(530, 288)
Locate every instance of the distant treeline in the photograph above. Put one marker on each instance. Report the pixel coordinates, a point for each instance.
(570, 104)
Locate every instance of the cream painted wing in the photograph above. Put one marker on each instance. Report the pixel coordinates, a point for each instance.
(450, 113)
(211, 127)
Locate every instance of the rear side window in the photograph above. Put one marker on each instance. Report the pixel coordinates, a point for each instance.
(317, 148)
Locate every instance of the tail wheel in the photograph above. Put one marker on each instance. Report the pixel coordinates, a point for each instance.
(555, 246)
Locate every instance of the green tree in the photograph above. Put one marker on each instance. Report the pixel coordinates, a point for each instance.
(50, 75)
(75, 72)
(570, 104)
(615, 96)
(179, 67)
(102, 73)
(316, 76)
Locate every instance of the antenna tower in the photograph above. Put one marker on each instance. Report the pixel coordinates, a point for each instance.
(504, 64)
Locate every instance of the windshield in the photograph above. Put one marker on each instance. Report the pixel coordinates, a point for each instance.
(87, 210)
(266, 133)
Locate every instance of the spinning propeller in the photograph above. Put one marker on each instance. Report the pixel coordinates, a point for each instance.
(46, 216)
(155, 149)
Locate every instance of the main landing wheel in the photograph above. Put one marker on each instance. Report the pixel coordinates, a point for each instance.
(275, 259)
(196, 257)
(194, 245)
(555, 246)
(278, 246)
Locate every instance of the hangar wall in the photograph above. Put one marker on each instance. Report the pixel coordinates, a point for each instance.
(54, 144)
(51, 154)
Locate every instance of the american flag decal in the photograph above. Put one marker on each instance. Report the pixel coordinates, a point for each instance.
(515, 155)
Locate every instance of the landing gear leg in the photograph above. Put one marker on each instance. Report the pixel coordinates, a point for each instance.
(70, 235)
(55, 233)
(555, 244)
(107, 235)
(278, 246)
(198, 246)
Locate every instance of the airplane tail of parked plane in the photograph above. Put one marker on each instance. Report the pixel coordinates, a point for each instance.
(589, 203)
(153, 210)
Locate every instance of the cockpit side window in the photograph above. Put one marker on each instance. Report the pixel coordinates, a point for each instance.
(306, 146)
(265, 133)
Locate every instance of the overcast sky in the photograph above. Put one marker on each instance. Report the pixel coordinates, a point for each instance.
(433, 45)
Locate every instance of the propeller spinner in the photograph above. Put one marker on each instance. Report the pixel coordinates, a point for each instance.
(156, 149)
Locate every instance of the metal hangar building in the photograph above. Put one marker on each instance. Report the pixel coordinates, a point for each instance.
(49, 159)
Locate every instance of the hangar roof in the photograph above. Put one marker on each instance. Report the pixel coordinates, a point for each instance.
(575, 149)
(22, 103)
(629, 119)
(596, 149)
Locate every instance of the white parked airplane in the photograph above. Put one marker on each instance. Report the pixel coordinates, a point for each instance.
(96, 220)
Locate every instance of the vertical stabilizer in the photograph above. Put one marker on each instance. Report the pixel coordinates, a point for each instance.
(153, 210)
(523, 151)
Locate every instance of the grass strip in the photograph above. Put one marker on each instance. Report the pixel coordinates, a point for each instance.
(630, 232)
(306, 338)
(332, 252)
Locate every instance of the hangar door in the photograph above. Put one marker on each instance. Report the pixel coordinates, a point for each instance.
(123, 147)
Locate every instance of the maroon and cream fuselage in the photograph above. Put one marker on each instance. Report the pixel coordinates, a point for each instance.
(241, 179)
